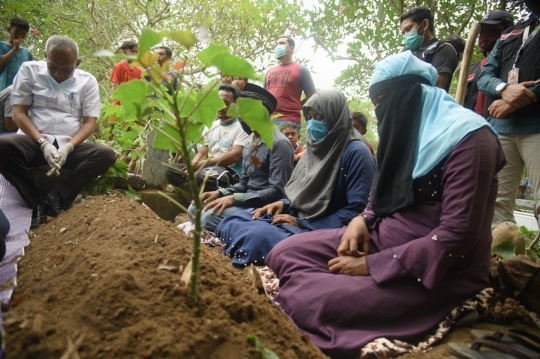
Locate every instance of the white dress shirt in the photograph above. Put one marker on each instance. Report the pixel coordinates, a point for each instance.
(56, 111)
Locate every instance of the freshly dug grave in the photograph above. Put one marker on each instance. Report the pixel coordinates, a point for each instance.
(90, 284)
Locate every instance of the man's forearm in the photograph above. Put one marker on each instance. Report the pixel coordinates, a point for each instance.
(26, 126)
(86, 130)
(227, 159)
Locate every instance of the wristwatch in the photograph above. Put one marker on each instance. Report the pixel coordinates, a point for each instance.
(41, 141)
(500, 88)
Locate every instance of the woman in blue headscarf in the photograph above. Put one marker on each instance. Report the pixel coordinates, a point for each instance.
(422, 246)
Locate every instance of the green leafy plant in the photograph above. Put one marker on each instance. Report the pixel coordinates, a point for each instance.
(105, 183)
(259, 347)
(531, 241)
(185, 112)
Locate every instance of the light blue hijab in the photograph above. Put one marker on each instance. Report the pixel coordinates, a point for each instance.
(443, 123)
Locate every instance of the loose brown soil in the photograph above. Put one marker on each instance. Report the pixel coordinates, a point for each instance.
(90, 283)
(92, 275)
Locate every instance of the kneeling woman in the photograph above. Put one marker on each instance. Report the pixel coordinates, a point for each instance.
(422, 246)
(329, 186)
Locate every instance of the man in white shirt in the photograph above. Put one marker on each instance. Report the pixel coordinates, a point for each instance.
(222, 150)
(55, 106)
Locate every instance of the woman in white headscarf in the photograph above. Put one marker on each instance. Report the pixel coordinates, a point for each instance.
(422, 246)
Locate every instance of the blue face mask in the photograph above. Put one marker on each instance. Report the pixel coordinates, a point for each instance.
(413, 40)
(317, 129)
(59, 85)
(280, 51)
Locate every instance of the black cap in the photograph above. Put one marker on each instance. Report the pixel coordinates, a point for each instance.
(258, 93)
(496, 17)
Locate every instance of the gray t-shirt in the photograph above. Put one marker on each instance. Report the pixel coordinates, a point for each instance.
(6, 110)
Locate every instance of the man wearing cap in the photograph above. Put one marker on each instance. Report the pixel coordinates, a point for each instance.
(511, 79)
(492, 27)
(265, 171)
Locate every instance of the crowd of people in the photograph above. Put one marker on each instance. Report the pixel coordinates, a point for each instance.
(366, 244)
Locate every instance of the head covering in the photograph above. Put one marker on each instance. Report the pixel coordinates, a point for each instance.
(312, 182)
(496, 17)
(418, 126)
(259, 93)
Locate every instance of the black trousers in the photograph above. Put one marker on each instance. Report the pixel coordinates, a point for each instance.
(18, 153)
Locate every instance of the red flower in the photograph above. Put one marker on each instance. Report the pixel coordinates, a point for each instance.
(342, 8)
(35, 31)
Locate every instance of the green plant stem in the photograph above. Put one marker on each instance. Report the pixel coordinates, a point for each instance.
(182, 124)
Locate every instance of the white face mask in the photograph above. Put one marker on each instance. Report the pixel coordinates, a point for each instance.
(59, 85)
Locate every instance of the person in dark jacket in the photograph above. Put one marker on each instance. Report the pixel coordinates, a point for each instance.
(492, 27)
(511, 78)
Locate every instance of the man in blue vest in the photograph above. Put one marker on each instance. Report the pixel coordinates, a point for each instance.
(511, 79)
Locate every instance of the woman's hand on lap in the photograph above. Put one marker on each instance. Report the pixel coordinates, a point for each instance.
(356, 237)
(353, 266)
(272, 209)
(285, 219)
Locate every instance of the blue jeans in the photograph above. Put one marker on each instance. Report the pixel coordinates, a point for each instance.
(279, 123)
(210, 221)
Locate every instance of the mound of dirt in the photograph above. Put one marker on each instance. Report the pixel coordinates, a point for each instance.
(102, 280)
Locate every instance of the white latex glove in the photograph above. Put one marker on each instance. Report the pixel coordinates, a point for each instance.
(51, 155)
(63, 152)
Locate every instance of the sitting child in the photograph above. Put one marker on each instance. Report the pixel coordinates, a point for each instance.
(359, 122)
(290, 130)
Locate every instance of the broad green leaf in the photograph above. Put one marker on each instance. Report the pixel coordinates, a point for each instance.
(506, 249)
(207, 107)
(148, 39)
(194, 133)
(256, 116)
(132, 95)
(234, 66)
(187, 104)
(184, 38)
(161, 141)
(207, 55)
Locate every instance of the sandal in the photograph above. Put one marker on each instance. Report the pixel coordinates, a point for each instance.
(504, 349)
(520, 338)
